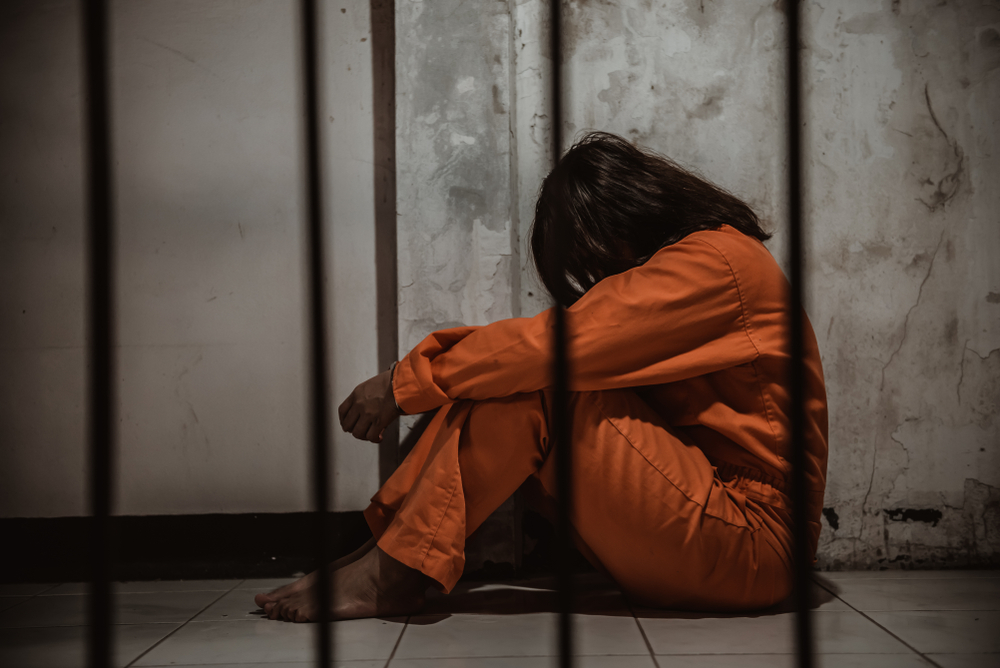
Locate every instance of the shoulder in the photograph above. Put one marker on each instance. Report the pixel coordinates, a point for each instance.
(731, 244)
(726, 255)
(726, 249)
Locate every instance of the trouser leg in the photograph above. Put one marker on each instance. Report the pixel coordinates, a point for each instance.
(470, 459)
(648, 507)
(650, 511)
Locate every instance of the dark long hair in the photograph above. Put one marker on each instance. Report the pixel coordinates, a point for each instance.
(608, 206)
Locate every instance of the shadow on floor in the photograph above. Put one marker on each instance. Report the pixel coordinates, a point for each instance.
(595, 595)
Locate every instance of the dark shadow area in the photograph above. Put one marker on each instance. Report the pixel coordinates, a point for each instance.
(595, 595)
(175, 547)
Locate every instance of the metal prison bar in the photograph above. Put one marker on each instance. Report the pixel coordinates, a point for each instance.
(101, 319)
(560, 447)
(101, 345)
(318, 369)
(796, 374)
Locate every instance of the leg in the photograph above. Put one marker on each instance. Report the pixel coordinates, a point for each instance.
(472, 457)
(651, 512)
(421, 513)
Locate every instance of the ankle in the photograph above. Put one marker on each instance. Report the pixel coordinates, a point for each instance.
(396, 577)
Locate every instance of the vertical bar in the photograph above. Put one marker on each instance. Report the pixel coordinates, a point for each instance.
(562, 438)
(383, 41)
(801, 566)
(319, 388)
(101, 399)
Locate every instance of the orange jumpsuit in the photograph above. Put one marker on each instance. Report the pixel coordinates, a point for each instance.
(679, 411)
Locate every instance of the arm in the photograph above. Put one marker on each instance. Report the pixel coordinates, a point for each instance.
(677, 316)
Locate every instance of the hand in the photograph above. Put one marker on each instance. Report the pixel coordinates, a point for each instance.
(369, 409)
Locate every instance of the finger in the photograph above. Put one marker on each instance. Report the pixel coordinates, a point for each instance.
(375, 432)
(349, 422)
(361, 428)
(345, 406)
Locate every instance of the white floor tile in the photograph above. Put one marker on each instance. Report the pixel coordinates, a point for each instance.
(948, 594)
(910, 660)
(129, 609)
(534, 634)
(467, 635)
(64, 646)
(950, 632)
(81, 588)
(966, 660)
(23, 588)
(908, 575)
(237, 605)
(526, 662)
(269, 642)
(836, 633)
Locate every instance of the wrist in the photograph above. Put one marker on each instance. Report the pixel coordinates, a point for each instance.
(392, 391)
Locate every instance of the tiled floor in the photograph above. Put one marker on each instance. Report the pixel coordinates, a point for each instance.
(896, 619)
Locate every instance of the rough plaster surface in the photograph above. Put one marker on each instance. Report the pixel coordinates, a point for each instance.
(901, 203)
(457, 218)
(905, 235)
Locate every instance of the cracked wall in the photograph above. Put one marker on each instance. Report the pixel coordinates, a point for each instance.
(901, 203)
(903, 167)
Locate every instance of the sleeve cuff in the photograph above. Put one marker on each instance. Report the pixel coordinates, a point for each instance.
(404, 386)
(407, 390)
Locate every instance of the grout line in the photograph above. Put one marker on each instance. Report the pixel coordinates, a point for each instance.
(28, 598)
(164, 638)
(645, 639)
(477, 657)
(392, 654)
(866, 616)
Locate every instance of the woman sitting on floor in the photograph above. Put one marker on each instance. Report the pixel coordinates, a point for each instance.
(678, 339)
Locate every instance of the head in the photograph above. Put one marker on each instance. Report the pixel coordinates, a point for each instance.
(608, 206)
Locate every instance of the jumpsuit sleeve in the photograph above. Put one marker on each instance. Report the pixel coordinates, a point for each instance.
(677, 316)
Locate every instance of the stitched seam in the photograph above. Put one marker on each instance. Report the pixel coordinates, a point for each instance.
(672, 483)
(437, 529)
(746, 329)
(767, 408)
(739, 293)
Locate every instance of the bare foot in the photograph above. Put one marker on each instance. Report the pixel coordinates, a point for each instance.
(308, 581)
(374, 586)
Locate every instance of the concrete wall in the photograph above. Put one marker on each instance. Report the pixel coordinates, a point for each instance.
(903, 158)
(901, 203)
(210, 255)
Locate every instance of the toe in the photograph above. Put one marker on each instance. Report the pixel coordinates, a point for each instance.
(262, 599)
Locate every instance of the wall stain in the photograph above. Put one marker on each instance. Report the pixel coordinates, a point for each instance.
(711, 104)
(929, 515)
(832, 518)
